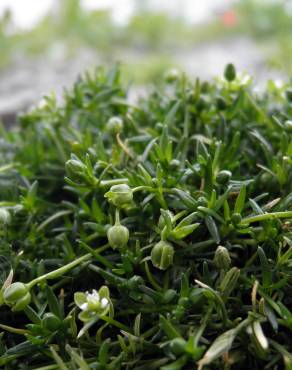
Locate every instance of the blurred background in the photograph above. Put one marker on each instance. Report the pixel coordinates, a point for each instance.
(46, 44)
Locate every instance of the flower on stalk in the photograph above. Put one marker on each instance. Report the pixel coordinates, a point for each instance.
(94, 304)
(118, 235)
(114, 125)
(120, 195)
(222, 258)
(17, 296)
(162, 255)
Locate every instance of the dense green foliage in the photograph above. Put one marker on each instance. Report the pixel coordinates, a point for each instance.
(154, 235)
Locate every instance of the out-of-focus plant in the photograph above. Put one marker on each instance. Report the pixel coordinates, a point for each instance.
(270, 24)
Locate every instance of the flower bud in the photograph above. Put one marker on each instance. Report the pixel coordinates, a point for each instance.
(223, 177)
(17, 296)
(162, 255)
(222, 259)
(177, 346)
(15, 291)
(172, 75)
(174, 164)
(22, 302)
(51, 322)
(134, 282)
(75, 146)
(5, 217)
(74, 166)
(230, 72)
(120, 195)
(118, 236)
(229, 281)
(236, 218)
(114, 125)
(288, 125)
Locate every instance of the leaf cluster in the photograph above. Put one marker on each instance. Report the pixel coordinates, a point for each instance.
(210, 167)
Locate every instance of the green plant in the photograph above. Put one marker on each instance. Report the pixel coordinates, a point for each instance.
(198, 272)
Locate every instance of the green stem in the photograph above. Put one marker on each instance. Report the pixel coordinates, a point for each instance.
(166, 280)
(111, 321)
(202, 327)
(108, 183)
(53, 218)
(142, 187)
(151, 278)
(60, 271)
(117, 220)
(266, 216)
(96, 253)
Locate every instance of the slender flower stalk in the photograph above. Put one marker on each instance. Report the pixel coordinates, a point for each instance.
(60, 271)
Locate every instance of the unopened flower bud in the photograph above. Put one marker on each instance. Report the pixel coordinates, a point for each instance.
(17, 296)
(51, 322)
(162, 255)
(177, 346)
(134, 282)
(172, 75)
(222, 259)
(236, 218)
(174, 164)
(118, 236)
(223, 177)
(114, 125)
(120, 195)
(288, 125)
(229, 282)
(74, 166)
(230, 72)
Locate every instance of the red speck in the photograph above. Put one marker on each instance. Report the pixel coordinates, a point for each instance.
(229, 18)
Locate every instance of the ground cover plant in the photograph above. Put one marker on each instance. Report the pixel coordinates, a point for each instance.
(154, 235)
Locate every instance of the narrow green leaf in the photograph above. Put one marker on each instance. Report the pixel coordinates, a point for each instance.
(168, 328)
(212, 229)
(240, 201)
(266, 270)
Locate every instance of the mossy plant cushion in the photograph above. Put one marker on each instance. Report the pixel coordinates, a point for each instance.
(149, 235)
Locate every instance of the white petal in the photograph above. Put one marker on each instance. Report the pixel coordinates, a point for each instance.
(84, 306)
(104, 302)
(94, 296)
